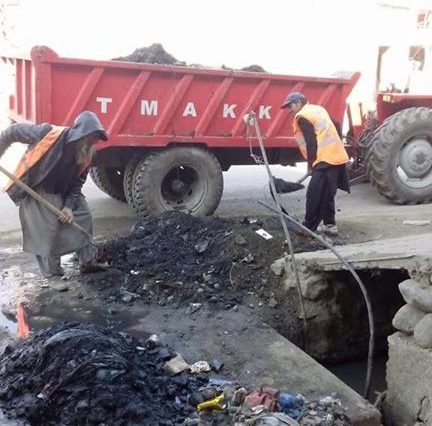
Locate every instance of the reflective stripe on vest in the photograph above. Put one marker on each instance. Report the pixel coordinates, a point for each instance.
(34, 154)
(330, 146)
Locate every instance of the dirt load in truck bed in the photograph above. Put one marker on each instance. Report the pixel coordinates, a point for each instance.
(156, 54)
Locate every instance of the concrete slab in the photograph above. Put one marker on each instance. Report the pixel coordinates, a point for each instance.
(392, 253)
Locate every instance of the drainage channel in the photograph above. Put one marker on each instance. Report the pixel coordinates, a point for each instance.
(382, 287)
(338, 333)
(338, 324)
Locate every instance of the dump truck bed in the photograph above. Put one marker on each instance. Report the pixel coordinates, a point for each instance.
(144, 105)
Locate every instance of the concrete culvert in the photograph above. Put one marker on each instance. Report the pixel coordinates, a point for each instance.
(337, 316)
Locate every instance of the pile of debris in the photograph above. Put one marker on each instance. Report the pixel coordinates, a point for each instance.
(156, 54)
(176, 258)
(153, 54)
(74, 374)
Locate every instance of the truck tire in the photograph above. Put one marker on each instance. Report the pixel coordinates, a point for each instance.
(400, 157)
(179, 178)
(128, 179)
(109, 180)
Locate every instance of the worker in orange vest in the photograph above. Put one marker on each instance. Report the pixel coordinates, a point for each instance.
(55, 165)
(323, 149)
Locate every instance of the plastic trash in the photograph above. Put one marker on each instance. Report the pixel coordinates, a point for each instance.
(291, 404)
(212, 404)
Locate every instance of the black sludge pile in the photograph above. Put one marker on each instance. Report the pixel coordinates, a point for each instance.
(180, 258)
(82, 374)
(156, 54)
(153, 54)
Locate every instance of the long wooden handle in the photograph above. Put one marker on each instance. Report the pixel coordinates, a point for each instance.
(42, 200)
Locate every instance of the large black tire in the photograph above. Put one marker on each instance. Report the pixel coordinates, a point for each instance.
(179, 178)
(128, 179)
(109, 180)
(400, 158)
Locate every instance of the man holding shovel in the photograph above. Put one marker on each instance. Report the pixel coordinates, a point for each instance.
(54, 168)
(322, 147)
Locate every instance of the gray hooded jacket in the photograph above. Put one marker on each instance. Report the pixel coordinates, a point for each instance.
(85, 124)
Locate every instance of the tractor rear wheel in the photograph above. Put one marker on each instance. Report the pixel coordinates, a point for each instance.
(179, 178)
(109, 180)
(400, 157)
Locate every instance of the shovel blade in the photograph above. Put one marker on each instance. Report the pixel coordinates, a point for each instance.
(284, 187)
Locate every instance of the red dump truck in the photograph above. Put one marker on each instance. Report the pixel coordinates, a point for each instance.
(173, 130)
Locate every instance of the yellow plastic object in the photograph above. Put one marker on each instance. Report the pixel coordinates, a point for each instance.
(212, 404)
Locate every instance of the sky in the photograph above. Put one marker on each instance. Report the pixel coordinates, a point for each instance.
(283, 36)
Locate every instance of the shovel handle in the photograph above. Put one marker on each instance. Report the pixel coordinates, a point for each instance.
(42, 200)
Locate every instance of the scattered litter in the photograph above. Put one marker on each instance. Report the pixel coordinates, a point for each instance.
(176, 365)
(199, 367)
(216, 365)
(194, 307)
(153, 341)
(266, 397)
(291, 405)
(261, 232)
(212, 404)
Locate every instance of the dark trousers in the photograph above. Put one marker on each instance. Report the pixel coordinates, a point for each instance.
(320, 195)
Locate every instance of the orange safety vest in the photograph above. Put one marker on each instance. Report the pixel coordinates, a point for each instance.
(35, 153)
(330, 146)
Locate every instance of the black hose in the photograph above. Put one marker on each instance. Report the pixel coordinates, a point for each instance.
(360, 283)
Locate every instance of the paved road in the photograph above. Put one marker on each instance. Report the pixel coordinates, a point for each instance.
(363, 211)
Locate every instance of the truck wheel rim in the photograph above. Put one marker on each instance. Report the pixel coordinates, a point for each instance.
(183, 188)
(415, 163)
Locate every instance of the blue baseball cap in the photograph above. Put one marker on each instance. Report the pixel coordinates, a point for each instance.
(292, 98)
